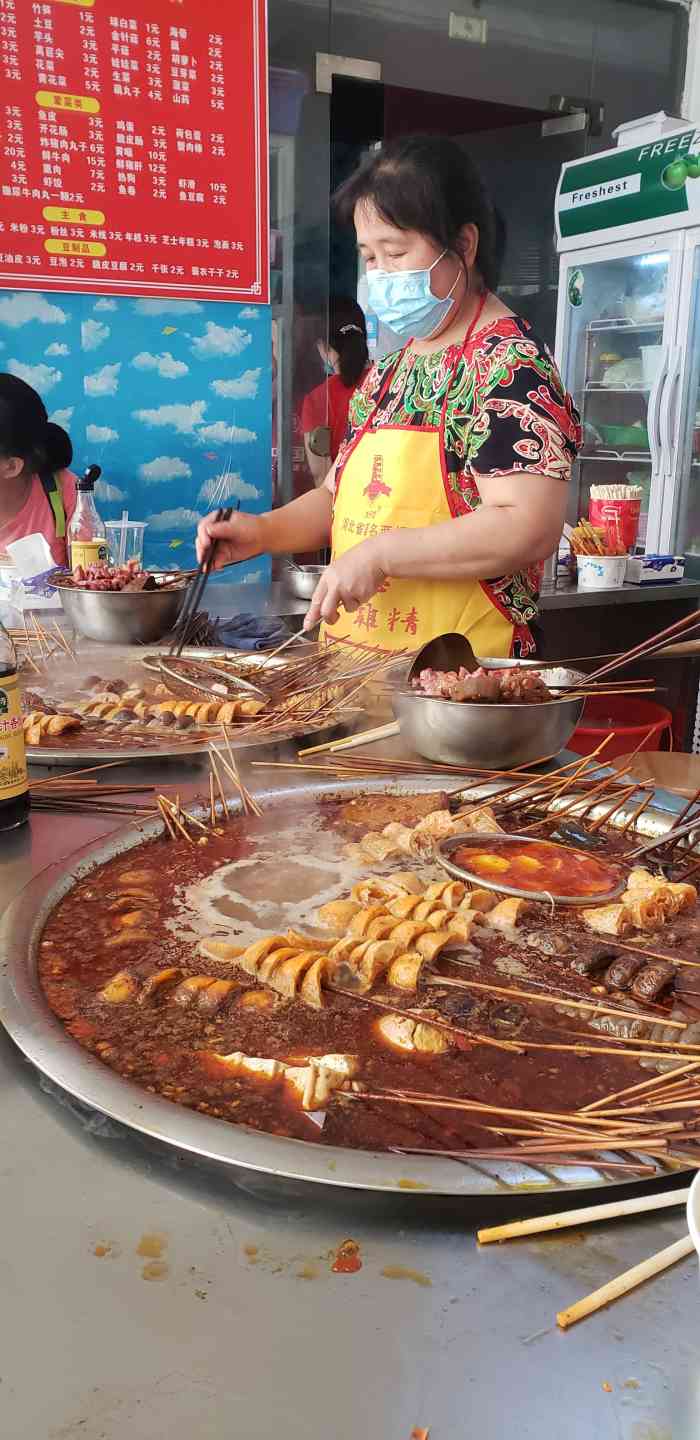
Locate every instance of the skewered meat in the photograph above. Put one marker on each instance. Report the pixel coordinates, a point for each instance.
(621, 973)
(591, 964)
(514, 685)
(652, 980)
(620, 1027)
(33, 701)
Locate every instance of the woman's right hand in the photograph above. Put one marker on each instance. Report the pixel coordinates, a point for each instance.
(239, 538)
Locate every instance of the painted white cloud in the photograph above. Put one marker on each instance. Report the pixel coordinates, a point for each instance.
(253, 577)
(105, 305)
(101, 434)
(244, 387)
(219, 340)
(220, 433)
(167, 307)
(166, 365)
(27, 305)
(230, 485)
(109, 494)
(93, 333)
(164, 467)
(179, 519)
(249, 312)
(42, 377)
(57, 349)
(183, 419)
(62, 417)
(104, 381)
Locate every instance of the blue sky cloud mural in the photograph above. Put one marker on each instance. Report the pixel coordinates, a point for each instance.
(172, 398)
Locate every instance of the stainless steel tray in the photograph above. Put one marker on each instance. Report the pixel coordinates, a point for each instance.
(130, 659)
(26, 1016)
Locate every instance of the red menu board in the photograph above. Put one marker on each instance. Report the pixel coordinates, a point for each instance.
(134, 147)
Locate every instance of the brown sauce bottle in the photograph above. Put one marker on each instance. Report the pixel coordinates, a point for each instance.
(14, 783)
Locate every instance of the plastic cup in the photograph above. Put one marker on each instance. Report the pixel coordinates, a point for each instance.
(125, 540)
(618, 518)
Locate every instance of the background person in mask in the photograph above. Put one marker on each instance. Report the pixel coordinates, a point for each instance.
(450, 488)
(324, 413)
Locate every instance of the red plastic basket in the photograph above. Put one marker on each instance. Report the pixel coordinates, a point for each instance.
(632, 721)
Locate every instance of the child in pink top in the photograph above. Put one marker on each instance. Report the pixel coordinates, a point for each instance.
(37, 489)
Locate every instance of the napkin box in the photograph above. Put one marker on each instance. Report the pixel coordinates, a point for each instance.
(654, 569)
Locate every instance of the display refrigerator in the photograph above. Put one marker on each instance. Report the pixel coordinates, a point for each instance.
(628, 327)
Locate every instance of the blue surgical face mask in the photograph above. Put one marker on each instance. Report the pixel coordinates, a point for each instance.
(328, 367)
(403, 300)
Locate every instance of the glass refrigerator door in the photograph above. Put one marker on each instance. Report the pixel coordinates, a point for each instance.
(684, 482)
(616, 321)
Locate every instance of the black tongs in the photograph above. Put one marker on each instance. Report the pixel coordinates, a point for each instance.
(193, 601)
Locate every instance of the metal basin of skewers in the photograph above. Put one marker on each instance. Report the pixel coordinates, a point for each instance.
(494, 736)
(124, 617)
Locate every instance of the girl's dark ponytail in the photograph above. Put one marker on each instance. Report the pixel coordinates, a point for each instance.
(347, 334)
(57, 448)
(352, 357)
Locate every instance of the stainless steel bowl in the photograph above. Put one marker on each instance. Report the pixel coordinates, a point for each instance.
(472, 840)
(497, 737)
(301, 580)
(123, 617)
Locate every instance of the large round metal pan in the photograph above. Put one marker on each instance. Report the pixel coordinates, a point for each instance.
(40, 1036)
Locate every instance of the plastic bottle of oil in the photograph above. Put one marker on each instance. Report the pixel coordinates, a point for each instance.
(14, 784)
(87, 536)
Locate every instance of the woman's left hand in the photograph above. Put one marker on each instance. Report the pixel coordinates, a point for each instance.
(348, 581)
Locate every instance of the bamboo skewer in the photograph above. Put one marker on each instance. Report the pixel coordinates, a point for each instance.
(643, 1085)
(468, 1156)
(217, 777)
(656, 955)
(557, 1000)
(622, 1284)
(671, 838)
(647, 647)
(440, 1024)
(541, 1224)
(366, 737)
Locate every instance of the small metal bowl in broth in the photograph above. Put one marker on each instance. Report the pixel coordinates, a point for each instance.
(448, 849)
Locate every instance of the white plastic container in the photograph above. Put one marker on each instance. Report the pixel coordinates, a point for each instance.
(601, 572)
(651, 359)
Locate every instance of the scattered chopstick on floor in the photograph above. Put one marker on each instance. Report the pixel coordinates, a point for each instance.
(622, 1284)
(539, 1224)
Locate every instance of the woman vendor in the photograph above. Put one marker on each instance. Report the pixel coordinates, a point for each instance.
(37, 489)
(450, 488)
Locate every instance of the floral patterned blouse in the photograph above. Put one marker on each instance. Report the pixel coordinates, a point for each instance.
(506, 412)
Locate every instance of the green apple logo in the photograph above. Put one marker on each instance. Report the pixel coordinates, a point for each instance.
(680, 170)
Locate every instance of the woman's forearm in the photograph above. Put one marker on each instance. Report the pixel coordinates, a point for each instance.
(493, 540)
(303, 524)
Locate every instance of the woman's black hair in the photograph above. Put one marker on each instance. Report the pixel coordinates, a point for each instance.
(27, 433)
(59, 448)
(347, 333)
(427, 183)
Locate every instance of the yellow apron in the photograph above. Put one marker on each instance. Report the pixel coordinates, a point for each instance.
(395, 477)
